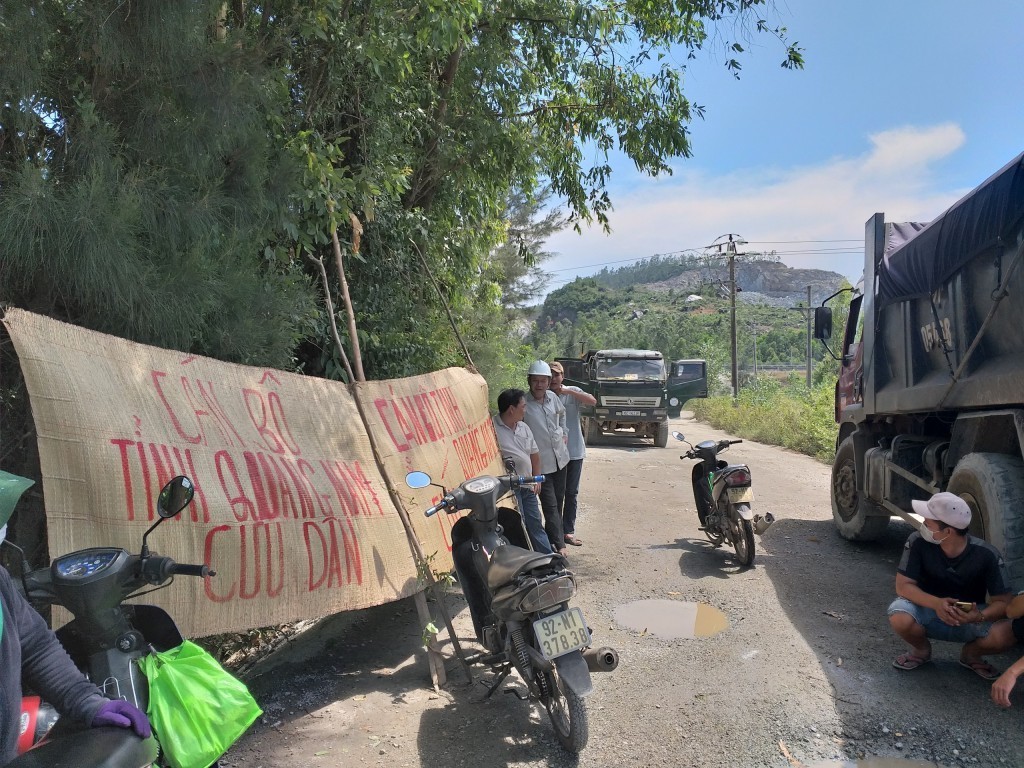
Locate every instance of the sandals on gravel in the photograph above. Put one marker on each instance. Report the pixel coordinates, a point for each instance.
(571, 539)
(908, 661)
(982, 669)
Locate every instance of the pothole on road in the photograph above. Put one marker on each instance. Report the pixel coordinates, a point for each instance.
(672, 619)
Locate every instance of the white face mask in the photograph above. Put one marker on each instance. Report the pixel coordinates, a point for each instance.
(927, 535)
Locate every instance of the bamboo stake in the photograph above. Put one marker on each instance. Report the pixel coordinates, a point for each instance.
(319, 261)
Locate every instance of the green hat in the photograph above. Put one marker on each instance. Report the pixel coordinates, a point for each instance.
(11, 488)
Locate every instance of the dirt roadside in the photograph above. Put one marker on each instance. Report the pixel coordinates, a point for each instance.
(800, 676)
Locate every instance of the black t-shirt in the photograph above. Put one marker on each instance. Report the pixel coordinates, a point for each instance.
(976, 572)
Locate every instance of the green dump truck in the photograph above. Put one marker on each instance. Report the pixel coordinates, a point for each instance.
(637, 392)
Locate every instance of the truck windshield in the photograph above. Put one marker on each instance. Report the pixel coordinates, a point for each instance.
(631, 370)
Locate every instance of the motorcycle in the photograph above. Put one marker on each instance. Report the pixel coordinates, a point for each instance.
(107, 637)
(519, 602)
(723, 494)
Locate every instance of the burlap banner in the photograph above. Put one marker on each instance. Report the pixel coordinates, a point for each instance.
(437, 423)
(291, 509)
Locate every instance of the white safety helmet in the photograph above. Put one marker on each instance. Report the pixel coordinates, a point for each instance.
(539, 368)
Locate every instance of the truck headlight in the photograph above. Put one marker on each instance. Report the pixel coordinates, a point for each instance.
(673, 401)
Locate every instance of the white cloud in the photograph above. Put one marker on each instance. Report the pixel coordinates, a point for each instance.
(829, 201)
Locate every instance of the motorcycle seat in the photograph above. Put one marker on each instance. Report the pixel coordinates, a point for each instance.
(509, 561)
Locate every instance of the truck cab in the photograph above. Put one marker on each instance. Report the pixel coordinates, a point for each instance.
(636, 395)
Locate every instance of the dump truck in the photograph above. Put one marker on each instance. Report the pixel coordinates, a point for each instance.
(636, 392)
(930, 395)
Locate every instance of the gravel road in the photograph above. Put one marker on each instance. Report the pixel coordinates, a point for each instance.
(799, 676)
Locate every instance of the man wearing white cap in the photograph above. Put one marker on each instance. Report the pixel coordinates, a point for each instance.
(951, 586)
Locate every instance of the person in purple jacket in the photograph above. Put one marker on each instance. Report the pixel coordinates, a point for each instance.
(30, 651)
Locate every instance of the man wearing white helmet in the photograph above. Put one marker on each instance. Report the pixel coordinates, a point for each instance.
(952, 587)
(545, 416)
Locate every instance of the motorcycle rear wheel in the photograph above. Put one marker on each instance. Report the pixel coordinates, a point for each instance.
(742, 538)
(568, 714)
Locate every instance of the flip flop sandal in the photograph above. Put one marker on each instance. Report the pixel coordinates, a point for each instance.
(570, 539)
(982, 669)
(908, 661)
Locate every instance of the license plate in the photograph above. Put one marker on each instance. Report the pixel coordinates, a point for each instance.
(561, 633)
(629, 413)
(739, 495)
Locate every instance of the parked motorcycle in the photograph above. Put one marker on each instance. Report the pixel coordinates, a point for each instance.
(519, 602)
(107, 637)
(723, 494)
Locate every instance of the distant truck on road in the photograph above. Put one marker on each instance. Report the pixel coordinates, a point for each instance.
(636, 393)
(930, 394)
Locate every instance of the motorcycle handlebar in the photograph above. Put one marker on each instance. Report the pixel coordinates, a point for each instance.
(435, 509)
(524, 479)
(157, 569)
(184, 569)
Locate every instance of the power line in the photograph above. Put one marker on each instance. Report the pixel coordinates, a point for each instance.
(698, 251)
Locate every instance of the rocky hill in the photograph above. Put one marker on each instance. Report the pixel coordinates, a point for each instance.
(759, 282)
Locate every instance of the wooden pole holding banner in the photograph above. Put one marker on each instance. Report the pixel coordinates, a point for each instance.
(435, 659)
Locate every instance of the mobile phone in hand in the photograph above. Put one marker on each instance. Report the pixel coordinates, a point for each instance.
(965, 607)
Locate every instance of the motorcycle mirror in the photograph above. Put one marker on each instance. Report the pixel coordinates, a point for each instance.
(175, 496)
(417, 479)
(510, 465)
(679, 436)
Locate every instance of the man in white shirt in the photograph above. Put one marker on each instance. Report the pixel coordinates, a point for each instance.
(545, 416)
(515, 440)
(572, 398)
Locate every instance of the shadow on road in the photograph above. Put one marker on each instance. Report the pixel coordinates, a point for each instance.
(353, 676)
(702, 559)
(830, 590)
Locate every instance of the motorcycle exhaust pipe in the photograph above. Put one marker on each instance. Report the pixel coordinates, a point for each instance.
(601, 659)
(761, 524)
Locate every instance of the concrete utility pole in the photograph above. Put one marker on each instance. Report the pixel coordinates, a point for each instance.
(729, 247)
(808, 313)
(810, 360)
(732, 322)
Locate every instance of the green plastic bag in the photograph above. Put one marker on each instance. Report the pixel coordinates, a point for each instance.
(196, 707)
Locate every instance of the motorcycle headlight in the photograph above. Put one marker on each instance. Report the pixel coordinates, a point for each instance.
(548, 593)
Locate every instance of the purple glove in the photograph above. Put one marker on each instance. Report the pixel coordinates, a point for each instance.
(120, 714)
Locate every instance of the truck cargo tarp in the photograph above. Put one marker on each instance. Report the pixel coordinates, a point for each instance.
(971, 227)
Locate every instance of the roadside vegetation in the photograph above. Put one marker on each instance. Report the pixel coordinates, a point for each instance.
(777, 413)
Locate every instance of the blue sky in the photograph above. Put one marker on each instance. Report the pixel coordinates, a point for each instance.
(903, 106)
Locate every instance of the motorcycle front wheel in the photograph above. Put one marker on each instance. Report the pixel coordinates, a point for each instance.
(568, 714)
(742, 538)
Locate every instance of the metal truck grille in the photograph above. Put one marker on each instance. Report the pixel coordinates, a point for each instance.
(625, 402)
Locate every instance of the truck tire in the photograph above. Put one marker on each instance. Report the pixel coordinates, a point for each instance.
(662, 439)
(992, 484)
(850, 510)
(592, 432)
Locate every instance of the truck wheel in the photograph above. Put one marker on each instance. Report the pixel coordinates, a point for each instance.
(662, 439)
(852, 512)
(592, 432)
(992, 484)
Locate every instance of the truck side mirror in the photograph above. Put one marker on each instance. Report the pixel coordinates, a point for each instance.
(823, 323)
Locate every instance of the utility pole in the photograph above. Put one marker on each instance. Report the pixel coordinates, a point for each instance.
(732, 322)
(809, 359)
(753, 331)
(730, 250)
(808, 312)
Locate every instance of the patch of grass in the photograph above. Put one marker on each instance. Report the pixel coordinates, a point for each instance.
(775, 413)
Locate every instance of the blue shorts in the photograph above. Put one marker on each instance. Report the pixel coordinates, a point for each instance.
(936, 628)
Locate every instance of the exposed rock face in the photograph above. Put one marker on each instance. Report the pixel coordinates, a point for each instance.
(761, 281)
